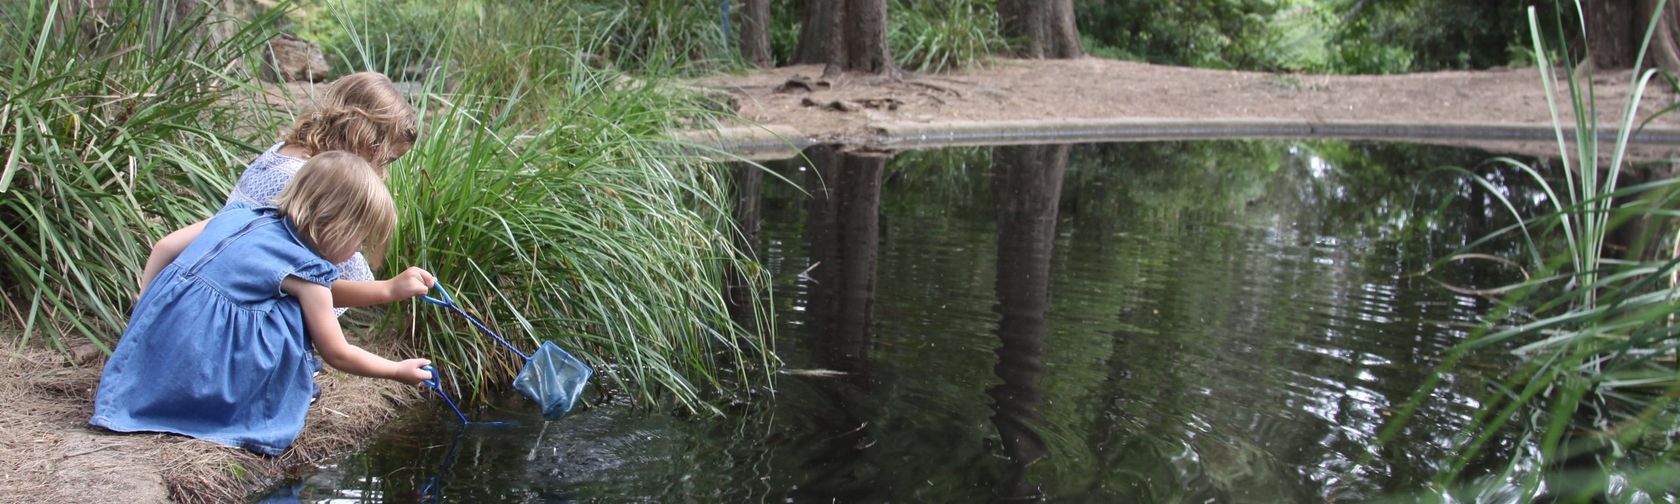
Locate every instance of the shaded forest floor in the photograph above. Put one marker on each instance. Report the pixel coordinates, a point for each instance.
(795, 103)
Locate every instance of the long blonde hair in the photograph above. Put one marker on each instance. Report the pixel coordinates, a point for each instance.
(337, 200)
(362, 113)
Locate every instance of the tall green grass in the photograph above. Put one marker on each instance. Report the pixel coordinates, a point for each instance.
(544, 192)
(114, 129)
(946, 35)
(1595, 393)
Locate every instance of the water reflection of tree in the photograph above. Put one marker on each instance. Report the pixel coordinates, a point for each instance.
(748, 218)
(1265, 300)
(843, 236)
(1027, 183)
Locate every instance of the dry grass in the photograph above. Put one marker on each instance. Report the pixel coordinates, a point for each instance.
(48, 453)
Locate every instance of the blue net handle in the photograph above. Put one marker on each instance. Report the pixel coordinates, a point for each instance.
(434, 383)
(448, 302)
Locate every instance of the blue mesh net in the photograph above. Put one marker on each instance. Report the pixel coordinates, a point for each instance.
(553, 379)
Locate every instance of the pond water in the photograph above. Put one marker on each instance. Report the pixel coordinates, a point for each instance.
(1144, 322)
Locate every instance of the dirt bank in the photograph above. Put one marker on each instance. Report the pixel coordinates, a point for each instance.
(48, 453)
(1120, 100)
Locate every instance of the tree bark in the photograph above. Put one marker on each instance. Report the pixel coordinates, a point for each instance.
(755, 32)
(1665, 42)
(1043, 28)
(845, 35)
(1610, 43)
(1615, 29)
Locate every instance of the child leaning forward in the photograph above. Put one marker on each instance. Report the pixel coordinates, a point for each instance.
(219, 344)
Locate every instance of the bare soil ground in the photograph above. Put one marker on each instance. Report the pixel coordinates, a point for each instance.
(797, 103)
(48, 453)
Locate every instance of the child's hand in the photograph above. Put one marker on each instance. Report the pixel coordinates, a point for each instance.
(411, 282)
(410, 372)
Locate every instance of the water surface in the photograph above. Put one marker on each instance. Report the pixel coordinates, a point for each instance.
(1146, 322)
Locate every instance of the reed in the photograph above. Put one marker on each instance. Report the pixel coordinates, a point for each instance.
(1596, 333)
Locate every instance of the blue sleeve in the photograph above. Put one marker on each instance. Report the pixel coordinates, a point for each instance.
(316, 271)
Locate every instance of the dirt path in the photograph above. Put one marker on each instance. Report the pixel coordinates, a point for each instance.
(1106, 99)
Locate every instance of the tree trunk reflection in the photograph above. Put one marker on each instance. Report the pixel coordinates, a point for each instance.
(1027, 182)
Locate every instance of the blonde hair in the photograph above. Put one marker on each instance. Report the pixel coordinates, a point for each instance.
(362, 113)
(336, 201)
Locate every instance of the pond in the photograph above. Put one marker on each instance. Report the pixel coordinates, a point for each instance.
(1228, 321)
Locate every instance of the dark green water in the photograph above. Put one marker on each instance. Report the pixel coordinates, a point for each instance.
(1154, 322)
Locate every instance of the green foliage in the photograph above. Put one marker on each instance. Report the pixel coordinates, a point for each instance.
(1223, 34)
(923, 35)
(647, 35)
(380, 36)
(111, 137)
(1426, 35)
(1332, 36)
(1596, 385)
(945, 35)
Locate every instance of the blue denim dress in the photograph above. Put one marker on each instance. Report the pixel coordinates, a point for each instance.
(263, 180)
(214, 349)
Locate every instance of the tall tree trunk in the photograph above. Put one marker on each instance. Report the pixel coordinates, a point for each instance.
(1045, 28)
(1609, 33)
(1615, 29)
(866, 36)
(845, 35)
(755, 32)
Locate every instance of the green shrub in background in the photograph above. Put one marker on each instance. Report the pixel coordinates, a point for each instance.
(1221, 34)
(1329, 36)
(924, 35)
(935, 36)
(664, 36)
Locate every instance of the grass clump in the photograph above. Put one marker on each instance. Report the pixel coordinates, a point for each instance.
(118, 126)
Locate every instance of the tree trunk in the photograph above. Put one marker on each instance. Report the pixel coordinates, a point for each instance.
(1665, 42)
(1610, 42)
(1043, 28)
(1615, 29)
(755, 32)
(845, 35)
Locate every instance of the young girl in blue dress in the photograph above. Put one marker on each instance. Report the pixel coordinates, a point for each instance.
(219, 345)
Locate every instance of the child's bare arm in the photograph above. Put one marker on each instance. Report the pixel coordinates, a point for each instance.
(324, 331)
(167, 249)
(352, 293)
